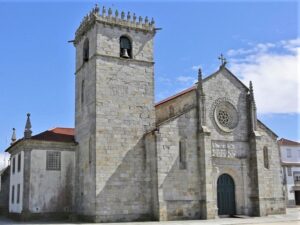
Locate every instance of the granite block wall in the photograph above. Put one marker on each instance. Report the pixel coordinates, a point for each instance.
(118, 109)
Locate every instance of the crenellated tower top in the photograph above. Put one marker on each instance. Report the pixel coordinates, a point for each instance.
(107, 17)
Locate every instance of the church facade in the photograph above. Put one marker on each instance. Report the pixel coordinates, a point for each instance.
(196, 155)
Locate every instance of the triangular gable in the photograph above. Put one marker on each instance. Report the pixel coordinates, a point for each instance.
(231, 76)
(235, 78)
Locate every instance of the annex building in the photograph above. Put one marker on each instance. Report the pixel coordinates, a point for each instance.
(290, 161)
(195, 155)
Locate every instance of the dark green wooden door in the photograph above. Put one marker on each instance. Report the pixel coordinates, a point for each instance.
(297, 197)
(226, 195)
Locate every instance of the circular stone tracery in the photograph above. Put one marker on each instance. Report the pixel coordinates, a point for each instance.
(226, 116)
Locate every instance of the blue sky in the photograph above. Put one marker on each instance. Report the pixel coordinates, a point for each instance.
(259, 39)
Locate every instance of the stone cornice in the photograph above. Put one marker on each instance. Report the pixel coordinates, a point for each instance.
(31, 144)
(115, 58)
(295, 164)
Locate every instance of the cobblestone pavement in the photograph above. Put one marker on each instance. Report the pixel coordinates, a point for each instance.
(291, 218)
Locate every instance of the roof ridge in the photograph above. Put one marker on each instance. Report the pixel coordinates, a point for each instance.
(284, 141)
(61, 128)
(176, 95)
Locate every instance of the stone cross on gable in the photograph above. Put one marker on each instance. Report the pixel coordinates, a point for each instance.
(223, 60)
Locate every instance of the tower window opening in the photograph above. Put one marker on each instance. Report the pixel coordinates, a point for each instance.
(182, 154)
(125, 47)
(13, 194)
(82, 92)
(86, 50)
(266, 157)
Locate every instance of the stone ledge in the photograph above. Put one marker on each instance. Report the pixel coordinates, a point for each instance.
(114, 58)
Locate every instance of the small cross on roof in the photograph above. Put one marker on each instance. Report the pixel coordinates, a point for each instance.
(223, 60)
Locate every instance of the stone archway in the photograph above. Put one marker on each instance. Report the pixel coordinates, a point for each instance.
(226, 195)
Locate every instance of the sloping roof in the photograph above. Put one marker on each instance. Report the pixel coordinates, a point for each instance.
(267, 128)
(284, 141)
(194, 86)
(59, 134)
(176, 95)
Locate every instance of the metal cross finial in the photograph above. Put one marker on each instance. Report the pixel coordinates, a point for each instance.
(223, 60)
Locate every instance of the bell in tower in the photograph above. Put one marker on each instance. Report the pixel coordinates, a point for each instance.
(125, 47)
(124, 53)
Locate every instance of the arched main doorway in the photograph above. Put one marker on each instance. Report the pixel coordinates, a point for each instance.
(226, 195)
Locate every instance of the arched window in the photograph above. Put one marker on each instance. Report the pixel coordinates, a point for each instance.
(182, 154)
(82, 92)
(266, 157)
(86, 50)
(125, 47)
(90, 150)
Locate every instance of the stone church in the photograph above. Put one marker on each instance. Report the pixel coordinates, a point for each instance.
(199, 154)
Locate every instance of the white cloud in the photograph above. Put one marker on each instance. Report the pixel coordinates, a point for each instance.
(258, 48)
(196, 67)
(186, 79)
(4, 160)
(174, 85)
(274, 70)
(240, 51)
(164, 79)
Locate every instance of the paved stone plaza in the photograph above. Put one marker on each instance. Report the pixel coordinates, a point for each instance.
(291, 218)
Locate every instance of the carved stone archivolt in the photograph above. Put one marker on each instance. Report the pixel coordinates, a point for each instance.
(225, 115)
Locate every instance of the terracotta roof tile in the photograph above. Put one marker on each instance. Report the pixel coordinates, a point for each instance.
(59, 134)
(284, 141)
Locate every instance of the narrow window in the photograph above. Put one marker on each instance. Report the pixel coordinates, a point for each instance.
(289, 169)
(18, 193)
(53, 160)
(182, 154)
(19, 162)
(82, 92)
(13, 194)
(289, 153)
(296, 177)
(14, 164)
(86, 50)
(90, 150)
(125, 47)
(266, 157)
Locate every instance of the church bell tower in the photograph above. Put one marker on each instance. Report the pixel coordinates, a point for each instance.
(114, 109)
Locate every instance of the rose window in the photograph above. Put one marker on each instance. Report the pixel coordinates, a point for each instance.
(223, 118)
(226, 116)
